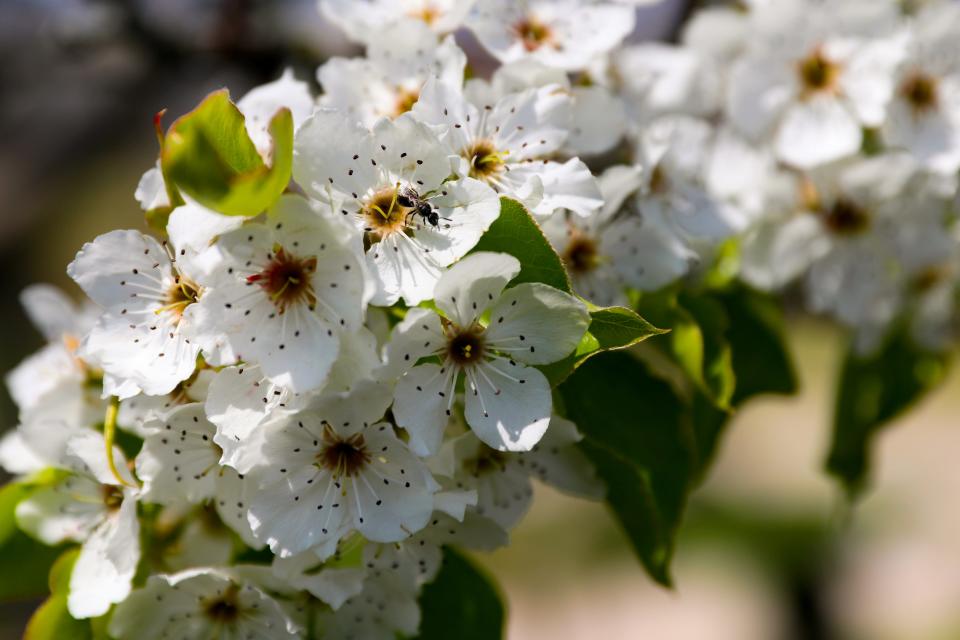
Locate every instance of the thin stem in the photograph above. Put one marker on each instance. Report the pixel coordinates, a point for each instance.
(109, 434)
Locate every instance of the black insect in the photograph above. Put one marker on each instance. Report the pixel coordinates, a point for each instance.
(409, 197)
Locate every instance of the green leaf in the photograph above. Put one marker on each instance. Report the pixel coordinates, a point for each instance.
(697, 342)
(633, 501)
(461, 603)
(59, 578)
(517, 233)
(873, 390)
(10, 496)
(730, 343)
(25, 561)
(610, 329)
(761, 358)
(637, 433)
(158, 217)
(208, 155)
(708, 423)
(52, 621)
(704, 349)
(619, 328)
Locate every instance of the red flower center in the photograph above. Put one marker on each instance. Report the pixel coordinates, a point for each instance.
(287, 280)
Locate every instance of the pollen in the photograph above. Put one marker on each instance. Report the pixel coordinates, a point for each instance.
(181, 294)
(465, 346)
(405, 99)
(582, 254)
(428, 13)
(224, 609)
(383, 215)
(846, 217)
(112, 496)
(343, 457)
(533, 33)
(287, 279)
(818, 74)
(485, 161)
(921, 92)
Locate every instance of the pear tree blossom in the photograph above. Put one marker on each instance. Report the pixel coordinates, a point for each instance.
(94, 504)
(147, 293)
(507, 399)
(564, 34)
(362, 172)
(282, 424)
(283, 292)
(507, 145)
(365, 20)
(387, 81)
(201, 603)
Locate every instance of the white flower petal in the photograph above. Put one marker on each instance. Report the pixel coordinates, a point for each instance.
(391, 511)
(422, 400)
(536, 324)
(817, 131)
(647, 254)
(760, 89)
(323, 155)
(151, 191)
(402, 269)
(419, 334)
(556, 461)
(120, 267)
(16, 456)
(104, 569)
(777, 253)
(69, 510)
(867, 77)
(508, 404)
(568, 185)
(193, 227)
(231, 505)
(468, 208)
(180, 461)
(599, 120)
(262, 103)
(473, 284)
(54, 314)
(87, 452)
(152, 357)
(365, 404)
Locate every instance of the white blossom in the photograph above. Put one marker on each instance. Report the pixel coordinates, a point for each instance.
(366, 20)
(333, 469)
(282, 293)
(507, 145)
(386, 82)
(198, 604)
(367, 171)
(98, 508)
(492, 337)
(565, 34)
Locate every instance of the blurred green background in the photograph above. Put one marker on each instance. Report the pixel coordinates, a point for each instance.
(769, 550)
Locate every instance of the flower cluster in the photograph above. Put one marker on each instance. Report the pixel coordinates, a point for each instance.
(268, 425)
(826, 135)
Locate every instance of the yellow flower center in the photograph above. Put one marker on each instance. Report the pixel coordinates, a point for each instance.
(485, 161)
(533, 33)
